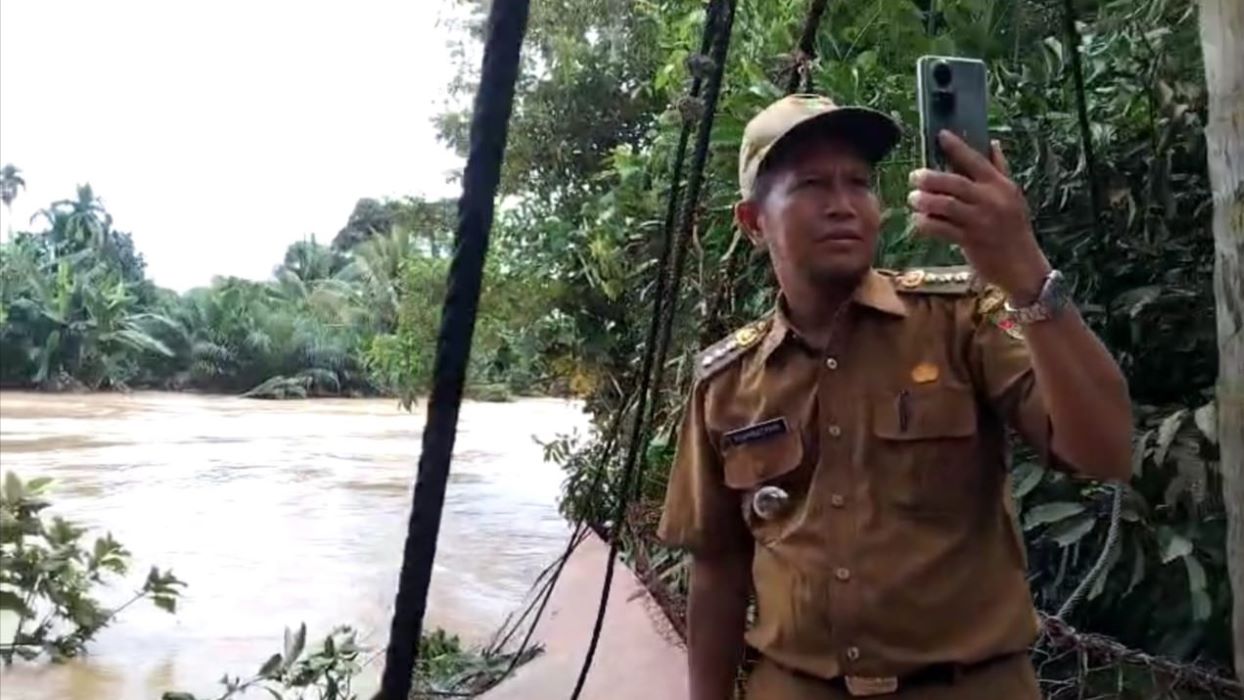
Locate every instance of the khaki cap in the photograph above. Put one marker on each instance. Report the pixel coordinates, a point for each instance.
(871, 131)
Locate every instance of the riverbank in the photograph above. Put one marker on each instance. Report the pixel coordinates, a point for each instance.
(276, 513)
(489, 393)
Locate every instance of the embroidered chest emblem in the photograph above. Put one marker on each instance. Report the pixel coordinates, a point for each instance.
(759, 431)
(1010, 327)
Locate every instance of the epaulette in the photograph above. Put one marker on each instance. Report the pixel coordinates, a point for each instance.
(719, 355)
(959, 279)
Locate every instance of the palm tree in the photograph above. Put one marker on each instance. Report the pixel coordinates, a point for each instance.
(310, 261)
(377, 271)
(10, 183)
(78, 222)
(1222, 40)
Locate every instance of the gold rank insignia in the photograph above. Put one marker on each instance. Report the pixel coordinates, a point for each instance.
(951, 281)
(992, 307)
(911, 279)
(730, 348)
(992, 300)
(746, 335)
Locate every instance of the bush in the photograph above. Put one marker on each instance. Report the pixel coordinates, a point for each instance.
(48, 578)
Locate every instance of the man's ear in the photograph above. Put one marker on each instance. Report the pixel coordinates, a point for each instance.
(747, 216)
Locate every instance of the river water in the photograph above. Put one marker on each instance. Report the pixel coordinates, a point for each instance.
(277, 513)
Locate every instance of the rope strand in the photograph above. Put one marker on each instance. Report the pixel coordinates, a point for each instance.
(720, 46)
(507, 23)
(1090, 163)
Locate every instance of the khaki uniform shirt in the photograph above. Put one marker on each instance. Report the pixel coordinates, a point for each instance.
(896, 545)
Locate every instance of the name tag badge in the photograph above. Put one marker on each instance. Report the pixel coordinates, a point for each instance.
(759, 431)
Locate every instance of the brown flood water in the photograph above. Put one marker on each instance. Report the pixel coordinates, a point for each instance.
(277, 513)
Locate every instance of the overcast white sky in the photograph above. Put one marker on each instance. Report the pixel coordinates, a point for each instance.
(220, 132)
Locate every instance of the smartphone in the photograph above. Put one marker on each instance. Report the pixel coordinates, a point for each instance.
(952, 94)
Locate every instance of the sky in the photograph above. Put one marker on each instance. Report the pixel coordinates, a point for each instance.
(219, 132)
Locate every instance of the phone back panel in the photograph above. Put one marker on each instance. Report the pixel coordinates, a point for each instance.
(958, 105)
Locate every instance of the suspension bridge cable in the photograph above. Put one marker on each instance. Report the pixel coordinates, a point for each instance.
(1090, 165)
(720, 45)
(507, 23)
(799, 75)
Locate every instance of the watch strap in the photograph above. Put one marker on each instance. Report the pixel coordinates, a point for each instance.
(1050, 301)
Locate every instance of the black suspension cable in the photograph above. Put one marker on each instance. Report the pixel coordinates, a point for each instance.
(798, 79)
(689, 107)
(507, 23)
(1086, 132)
(811, 25)
(687, 222)
(1090, 164)
(702, 65)
(720, 45)
(577, 536)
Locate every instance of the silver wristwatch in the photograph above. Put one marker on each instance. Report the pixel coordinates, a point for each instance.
(1053, 299)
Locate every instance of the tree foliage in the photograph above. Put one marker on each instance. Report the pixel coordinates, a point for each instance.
(588, 212)
(49, 577)
(358, 317)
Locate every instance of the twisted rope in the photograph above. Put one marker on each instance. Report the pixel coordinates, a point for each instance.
(507, 23)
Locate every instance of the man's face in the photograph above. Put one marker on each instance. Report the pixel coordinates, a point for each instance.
(819, 218)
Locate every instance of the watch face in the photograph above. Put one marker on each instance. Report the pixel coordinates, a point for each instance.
(1055, 293)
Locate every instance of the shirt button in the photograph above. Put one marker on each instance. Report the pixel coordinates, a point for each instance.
(834, 431)
(853, 653)
(837, 501)
(831, 363)
(842, 574)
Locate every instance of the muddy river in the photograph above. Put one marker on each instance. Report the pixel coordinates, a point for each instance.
(277, 513)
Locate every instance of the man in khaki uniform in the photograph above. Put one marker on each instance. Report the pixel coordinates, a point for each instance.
(845, 458)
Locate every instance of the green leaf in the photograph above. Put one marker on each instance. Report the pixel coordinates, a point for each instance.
(295, 642)
(1196, 573)
(1202, 606)
(270, 666)
(165, 603)
(1138, 453)
(1056, 47)
(1047, 513)
(1068, 532)
(1206, 418)
(12, 487)
(37, 484)
(1173, 545)
(1138, 566)
(1029, 476)
(1166, 434)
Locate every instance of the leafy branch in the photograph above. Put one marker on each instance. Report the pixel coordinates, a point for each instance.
(47, 577)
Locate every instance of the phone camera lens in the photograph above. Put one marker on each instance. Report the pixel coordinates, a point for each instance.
(941, 74)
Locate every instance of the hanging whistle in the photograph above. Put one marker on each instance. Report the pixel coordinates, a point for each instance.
(769, 502)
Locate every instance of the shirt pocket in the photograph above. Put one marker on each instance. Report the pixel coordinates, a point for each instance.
(774, 461)
(925, 447)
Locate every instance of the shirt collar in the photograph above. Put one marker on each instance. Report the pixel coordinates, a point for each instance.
(877, 292)
(873, 291)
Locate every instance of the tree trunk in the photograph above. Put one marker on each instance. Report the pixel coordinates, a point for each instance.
(1222, 38)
